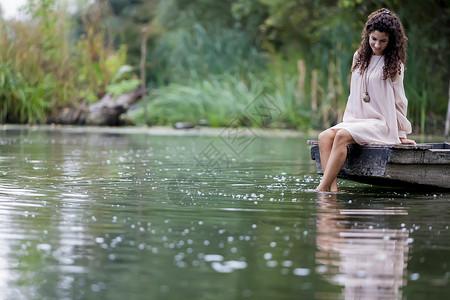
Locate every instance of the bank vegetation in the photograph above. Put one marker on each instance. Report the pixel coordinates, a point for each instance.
(209, 61)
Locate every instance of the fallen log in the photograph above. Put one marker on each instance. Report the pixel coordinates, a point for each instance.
(105, 112)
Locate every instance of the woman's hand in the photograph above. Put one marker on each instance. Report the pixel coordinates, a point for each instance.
(407, 141)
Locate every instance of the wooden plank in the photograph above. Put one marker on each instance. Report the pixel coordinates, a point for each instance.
(396, 146)
(434, 175)
(399, 146)
(417, 146)
(420, 157)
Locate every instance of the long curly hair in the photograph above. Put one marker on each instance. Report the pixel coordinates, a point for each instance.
(385, 21)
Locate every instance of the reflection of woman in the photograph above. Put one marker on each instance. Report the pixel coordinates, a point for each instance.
(369, 262)
(376, 107)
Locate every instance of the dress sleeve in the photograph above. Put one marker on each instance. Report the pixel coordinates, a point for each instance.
(401, 105)
(354, 58)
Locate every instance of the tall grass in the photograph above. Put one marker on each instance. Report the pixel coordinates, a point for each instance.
(21, 99)
(225, 99)
(218, 100)
(40, 69)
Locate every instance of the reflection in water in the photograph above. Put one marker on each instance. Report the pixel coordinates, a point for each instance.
(368, 262)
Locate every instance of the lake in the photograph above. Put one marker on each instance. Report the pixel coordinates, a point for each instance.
(92, 213)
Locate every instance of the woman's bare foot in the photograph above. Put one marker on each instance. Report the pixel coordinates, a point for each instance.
(407, 141)
(332, 188)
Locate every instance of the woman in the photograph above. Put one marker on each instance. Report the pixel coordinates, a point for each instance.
(376, 106)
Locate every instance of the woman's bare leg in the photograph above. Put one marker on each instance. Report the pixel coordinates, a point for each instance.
(326, 139)
(336, 160)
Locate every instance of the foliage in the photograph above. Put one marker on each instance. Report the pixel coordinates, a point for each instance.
(175, 14)
(41, 71)
(123, 86)
(98, 60)
(21, 100)
(226, 99)
(31, 63)
(187, 55)
(217, 100)
(125, 22)
(207, 59)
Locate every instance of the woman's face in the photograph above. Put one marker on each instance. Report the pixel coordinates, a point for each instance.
(378, 41)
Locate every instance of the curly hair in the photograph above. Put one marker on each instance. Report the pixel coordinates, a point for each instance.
(385, 21)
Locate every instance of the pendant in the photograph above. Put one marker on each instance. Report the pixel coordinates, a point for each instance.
(366, 97)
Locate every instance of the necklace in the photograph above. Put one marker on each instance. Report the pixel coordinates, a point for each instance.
(366, 97)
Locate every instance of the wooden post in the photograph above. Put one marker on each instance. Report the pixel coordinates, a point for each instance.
(314, 90)
(143, 82)
(301, 80)
(447, 120)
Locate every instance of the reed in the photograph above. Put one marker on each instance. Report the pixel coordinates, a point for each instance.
(221, 100)
(217, 100)
(41, 71)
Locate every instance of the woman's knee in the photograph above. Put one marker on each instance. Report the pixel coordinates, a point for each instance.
(326, 136)
(343, 137)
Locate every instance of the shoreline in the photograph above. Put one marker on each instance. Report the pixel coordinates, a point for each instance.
(164, 130)
(196, 131)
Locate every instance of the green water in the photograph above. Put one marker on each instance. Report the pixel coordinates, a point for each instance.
(97, 215)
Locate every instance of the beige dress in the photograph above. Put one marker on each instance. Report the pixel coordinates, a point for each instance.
(382, 120)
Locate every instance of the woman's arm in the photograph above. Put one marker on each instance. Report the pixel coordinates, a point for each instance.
(401, 104)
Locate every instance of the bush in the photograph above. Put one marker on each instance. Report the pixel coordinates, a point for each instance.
(224, 100)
